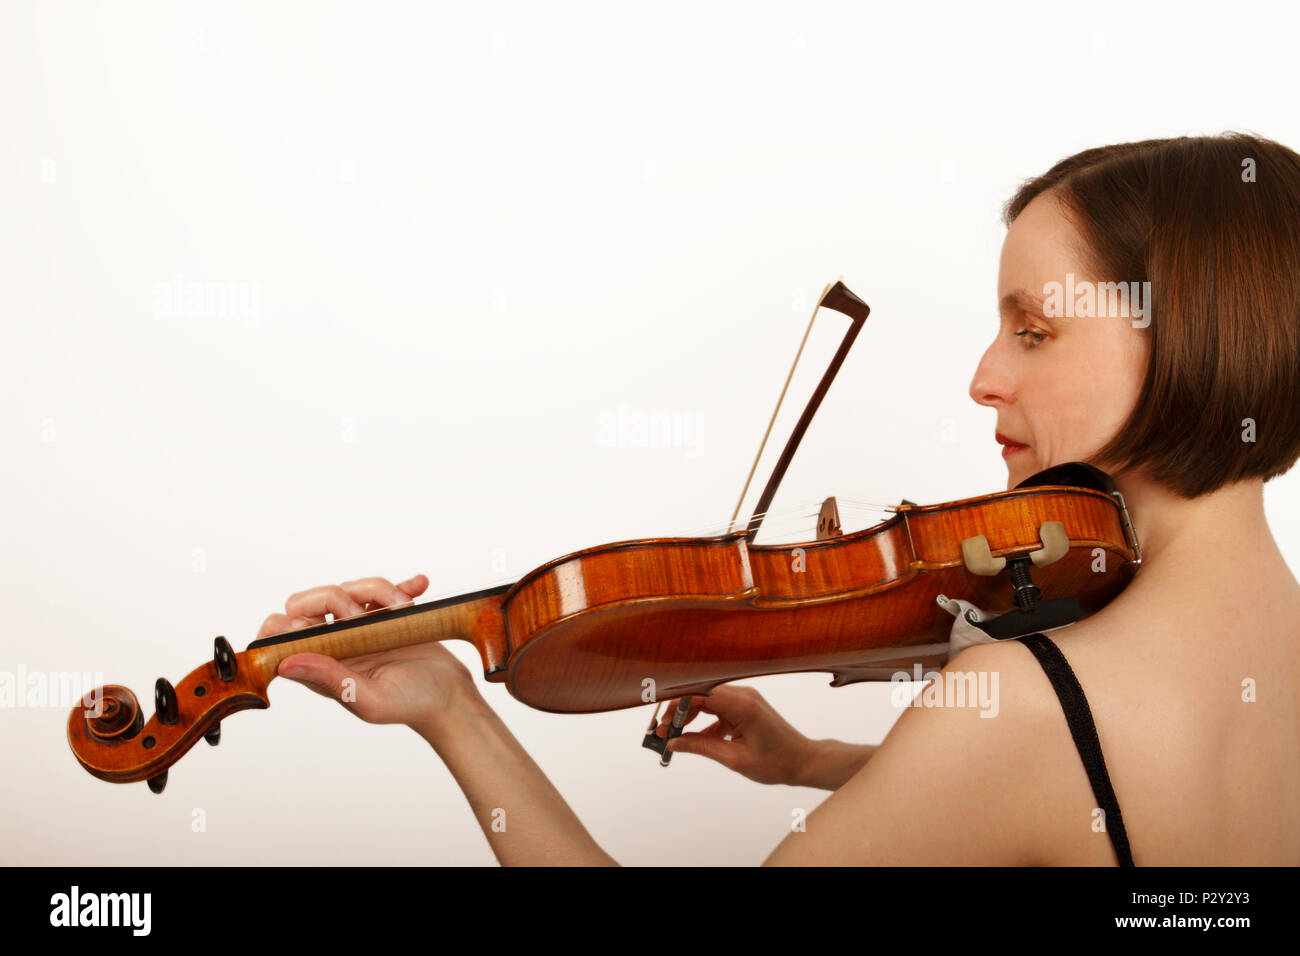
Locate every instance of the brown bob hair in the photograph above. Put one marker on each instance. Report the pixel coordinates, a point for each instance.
(1213, 223)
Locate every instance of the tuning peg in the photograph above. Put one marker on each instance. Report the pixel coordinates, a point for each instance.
(223, 655)
(157, 783)
(213, 736)
(164, 701)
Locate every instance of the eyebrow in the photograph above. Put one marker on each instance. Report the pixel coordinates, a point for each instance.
(1021, 301)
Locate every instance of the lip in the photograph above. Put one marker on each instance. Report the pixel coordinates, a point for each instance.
(1009, 447)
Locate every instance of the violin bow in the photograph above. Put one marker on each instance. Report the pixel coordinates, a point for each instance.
(838, 297)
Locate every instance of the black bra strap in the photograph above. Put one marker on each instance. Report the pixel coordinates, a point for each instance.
(1079, 716)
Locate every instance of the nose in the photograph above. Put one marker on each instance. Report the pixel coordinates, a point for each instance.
(992, 384)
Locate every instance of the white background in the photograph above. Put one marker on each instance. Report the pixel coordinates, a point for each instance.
(465, 236)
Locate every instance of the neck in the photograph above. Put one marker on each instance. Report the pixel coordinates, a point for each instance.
(1226, 528)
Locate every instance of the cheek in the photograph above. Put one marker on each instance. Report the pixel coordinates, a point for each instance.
(1119, 374)
(1066, 415)
(1085, 401)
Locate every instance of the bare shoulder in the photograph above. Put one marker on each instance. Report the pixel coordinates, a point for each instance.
(1173, 692)
(959, 779)
(1044, 778)
(981, 768)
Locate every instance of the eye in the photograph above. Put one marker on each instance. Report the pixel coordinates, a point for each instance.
(1034, 340)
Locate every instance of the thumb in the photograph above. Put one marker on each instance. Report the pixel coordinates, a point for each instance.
(324, 675)
(706, 745)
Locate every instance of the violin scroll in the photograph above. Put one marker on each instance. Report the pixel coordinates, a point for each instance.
(111, 739)
(117, 715)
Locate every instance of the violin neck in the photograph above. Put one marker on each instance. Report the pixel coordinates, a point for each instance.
(474, 617)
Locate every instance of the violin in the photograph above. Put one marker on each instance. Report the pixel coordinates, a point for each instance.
(634, 622)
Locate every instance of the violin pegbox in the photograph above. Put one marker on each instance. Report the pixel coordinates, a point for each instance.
(111, 739)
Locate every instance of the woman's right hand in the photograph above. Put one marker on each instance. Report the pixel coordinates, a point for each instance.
(750, 737)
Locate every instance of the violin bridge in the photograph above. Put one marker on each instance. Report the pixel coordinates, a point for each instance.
(828, 520)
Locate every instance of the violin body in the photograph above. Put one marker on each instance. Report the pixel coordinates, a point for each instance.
(587, 631)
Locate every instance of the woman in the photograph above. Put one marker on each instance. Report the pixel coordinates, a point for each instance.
(1188, 392)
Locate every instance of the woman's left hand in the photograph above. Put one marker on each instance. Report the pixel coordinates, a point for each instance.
(405, 685)
(427, 688)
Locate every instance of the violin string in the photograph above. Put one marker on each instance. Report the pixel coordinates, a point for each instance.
(724, 526)
(845, 505)
(788, 516)
(424, 598)
(785, 523)
(804, 527)
(849, 517)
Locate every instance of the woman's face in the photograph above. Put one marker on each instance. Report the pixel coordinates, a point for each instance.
(1062, 386)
